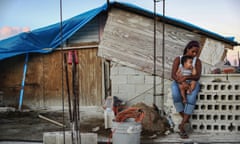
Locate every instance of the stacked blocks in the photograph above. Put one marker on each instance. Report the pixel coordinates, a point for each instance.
(217, 108)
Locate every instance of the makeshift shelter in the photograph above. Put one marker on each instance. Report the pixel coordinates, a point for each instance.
(119, 32)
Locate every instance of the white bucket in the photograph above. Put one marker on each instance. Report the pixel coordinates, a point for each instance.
(126, 132)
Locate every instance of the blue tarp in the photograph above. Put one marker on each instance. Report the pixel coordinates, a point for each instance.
(46, 39)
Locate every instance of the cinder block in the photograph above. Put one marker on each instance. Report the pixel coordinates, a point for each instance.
(143, 88)
(217, 108)
(88, 138)
(115, 89)
(149, 79)
(1, 98)
(129, 88)
(119, 79)
(114, 69)
(220, 87)
(123, 70)
(57, 138)
(49, 138)
(135, 79)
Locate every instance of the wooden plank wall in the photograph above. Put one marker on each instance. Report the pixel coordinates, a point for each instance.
(89, 33)
(11, 72)
(90, 73)
(43, 85)
(128, 40)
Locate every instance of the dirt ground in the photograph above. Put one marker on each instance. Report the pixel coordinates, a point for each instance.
(27, 126)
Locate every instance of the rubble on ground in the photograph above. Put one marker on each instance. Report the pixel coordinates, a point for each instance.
(152, 120)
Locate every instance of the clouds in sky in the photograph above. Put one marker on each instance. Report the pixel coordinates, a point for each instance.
(8, 31)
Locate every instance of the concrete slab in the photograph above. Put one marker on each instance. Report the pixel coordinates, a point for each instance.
(197, 138)
(194, 138)
(19, 142)
(57, 138)
(173, 138)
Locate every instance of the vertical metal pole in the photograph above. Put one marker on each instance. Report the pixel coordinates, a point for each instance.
(23, 83)
(154, 55)
(238, 60)
(163, 57)
(61, 39)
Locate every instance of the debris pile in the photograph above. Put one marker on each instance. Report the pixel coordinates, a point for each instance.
(224, 68)
(153, 121)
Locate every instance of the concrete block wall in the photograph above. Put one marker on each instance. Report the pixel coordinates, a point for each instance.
(1, 98)
(57, 138)
(218, 104)
(136, 86)
(218, 107)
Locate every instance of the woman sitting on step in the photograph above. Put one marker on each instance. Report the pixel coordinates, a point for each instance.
(186, 108)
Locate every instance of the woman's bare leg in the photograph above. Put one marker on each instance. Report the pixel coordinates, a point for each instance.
(181, 126)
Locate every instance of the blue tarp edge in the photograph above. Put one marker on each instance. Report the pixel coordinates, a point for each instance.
(46, 39)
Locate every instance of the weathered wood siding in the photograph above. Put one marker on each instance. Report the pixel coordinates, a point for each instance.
(11, 76)
(43, 85)
(89, 33)
(128, 39)
(212, 53)
(90, 76)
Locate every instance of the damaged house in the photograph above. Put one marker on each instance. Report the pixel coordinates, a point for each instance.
(113, 47)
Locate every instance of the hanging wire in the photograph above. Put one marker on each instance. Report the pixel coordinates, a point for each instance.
(62, 55)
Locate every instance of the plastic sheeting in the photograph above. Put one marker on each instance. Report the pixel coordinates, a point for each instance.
(46, 39)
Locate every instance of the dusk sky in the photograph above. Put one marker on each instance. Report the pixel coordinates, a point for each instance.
(219, 16)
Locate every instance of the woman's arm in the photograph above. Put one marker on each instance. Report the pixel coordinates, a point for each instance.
(179, 73)
(175, 66)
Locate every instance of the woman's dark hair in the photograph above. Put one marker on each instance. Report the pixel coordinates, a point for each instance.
(190, 45)
(185, 58)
